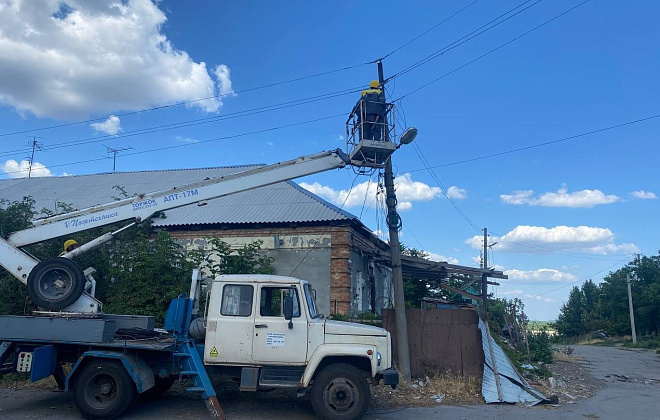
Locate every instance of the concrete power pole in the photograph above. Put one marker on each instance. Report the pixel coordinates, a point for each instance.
(403, 351)
(632, 315)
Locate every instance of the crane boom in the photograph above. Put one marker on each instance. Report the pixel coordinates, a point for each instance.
(59, 283)
(143, 206)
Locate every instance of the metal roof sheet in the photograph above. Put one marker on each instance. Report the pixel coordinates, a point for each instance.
(284, 202)
(508, 386)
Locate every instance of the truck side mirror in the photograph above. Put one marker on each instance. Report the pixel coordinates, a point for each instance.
(288, 310)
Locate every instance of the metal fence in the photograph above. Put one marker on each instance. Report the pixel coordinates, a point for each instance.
(441, 341)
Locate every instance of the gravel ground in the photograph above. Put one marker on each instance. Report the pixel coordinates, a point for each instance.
(625, 384)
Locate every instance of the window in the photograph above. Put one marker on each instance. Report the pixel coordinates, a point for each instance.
(271, 301)
(236, 300)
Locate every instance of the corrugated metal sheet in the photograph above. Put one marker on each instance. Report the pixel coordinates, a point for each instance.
(508, 386)
(440, 340)
(284, 202)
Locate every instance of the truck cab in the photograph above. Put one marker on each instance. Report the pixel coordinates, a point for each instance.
(268, 328)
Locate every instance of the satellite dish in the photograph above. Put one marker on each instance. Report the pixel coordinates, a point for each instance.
(408, 136)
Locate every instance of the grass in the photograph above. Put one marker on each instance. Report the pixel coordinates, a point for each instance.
(455, 390)
(644, 343)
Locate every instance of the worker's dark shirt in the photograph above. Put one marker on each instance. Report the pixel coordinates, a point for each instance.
(374, 102)
(371, 106)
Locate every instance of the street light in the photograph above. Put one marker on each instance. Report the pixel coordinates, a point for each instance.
(408, 135)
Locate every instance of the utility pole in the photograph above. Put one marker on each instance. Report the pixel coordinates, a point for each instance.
(393, 223)
(632, 315)
(35, 145)
(484, 278)
(114, 154)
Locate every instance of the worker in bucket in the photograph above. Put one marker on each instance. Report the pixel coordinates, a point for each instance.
(372, 108)
(69, 246)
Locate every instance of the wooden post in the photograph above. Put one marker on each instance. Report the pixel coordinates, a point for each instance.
(529, 360)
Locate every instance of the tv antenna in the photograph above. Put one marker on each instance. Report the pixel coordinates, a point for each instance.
(114, 154)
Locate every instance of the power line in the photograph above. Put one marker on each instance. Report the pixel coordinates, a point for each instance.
(466, 38)
(199, 121)
(444, 190)
(203, 141)
(582, 280)
(520, 149)
(491, 51)
(427, 31)
(186, 102)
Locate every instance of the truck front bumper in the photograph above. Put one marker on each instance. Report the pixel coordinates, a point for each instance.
(391, 377)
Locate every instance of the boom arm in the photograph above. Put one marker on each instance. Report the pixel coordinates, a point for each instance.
(144, 206)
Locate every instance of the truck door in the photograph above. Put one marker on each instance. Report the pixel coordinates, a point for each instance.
(273, 341)
(229, 330)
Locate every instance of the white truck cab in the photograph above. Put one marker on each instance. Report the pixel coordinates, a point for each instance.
(270, 328)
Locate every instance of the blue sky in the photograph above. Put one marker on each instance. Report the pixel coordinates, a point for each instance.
(497, 114)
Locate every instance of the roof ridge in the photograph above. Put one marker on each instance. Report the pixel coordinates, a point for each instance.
(139, 172)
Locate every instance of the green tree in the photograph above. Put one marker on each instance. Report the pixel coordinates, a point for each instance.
(569, 321)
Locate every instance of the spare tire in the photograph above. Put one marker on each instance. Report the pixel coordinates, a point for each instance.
(56, 283)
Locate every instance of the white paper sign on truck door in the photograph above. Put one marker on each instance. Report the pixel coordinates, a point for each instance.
(275, 339)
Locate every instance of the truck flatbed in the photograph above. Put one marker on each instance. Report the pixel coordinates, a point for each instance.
(97, 331)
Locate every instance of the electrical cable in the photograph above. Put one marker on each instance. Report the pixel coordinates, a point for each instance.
(327, 228)
(491, 51)
(189, 123)
(191, 144)
(582, 280)
(366, 194)
(520, 149)
(444, 190)
(465, 38)
(426, 32)
(185, 102)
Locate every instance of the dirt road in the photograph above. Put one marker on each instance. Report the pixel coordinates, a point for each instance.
(628, 380)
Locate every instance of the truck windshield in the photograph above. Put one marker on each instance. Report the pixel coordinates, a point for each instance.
(311, 303)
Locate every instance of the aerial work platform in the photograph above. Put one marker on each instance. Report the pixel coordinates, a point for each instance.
(368, 142)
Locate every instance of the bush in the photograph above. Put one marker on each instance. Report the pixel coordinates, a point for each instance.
(540, 349)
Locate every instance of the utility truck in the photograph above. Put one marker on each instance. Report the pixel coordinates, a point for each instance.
(263, 331)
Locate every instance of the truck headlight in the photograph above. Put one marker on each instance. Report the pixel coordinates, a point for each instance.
(378, 357)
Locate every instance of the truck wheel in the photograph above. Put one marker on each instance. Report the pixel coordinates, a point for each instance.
(103, 390)
(340, 391)
(56, 283)
(160, 387)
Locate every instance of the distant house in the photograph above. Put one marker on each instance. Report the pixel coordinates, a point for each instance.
(308, 237)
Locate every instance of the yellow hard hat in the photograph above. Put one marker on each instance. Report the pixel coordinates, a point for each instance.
(374, 84)
(68, 243)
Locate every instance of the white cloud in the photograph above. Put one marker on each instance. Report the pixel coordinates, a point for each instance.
(456, 193)
(546, 300)
(110, 126)
(407, 191)
(540, 275)
(186, 139)
(538, 239)
(73, 58)
(21, 170)
(643, 195)
(516, 292)
(442, 258)
(222, 73)
(560, 198)
(270, 143)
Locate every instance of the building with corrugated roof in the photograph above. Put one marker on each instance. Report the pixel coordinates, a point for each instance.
(308, 237)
